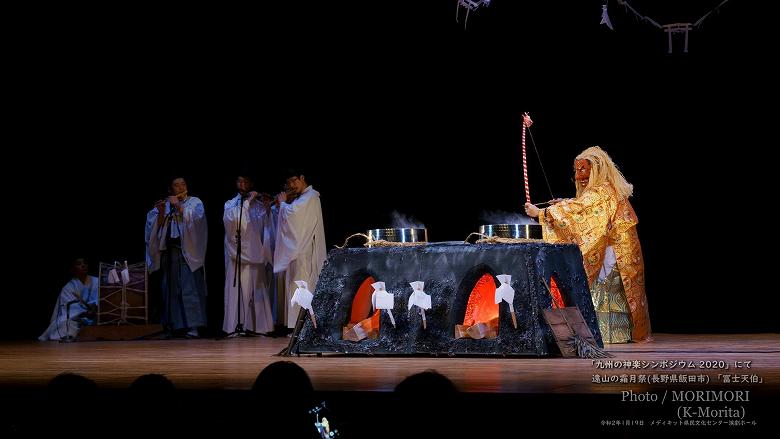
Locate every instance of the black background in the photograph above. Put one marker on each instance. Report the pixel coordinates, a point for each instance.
(393, 106)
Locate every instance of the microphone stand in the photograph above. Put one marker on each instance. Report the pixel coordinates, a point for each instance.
(239, 330)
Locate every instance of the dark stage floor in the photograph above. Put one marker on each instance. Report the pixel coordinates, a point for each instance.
(212, 378)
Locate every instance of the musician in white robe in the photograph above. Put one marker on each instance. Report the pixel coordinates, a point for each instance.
(177, 246)
(300, 239)
(253, 313)
(77, 300)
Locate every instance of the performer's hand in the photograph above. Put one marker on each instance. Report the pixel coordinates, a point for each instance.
(527, 122)
(281, 198)
(252, 195)
(174, 200)
(160, 205)
(531, 210)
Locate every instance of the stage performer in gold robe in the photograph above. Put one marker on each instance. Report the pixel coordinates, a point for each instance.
(601, 221)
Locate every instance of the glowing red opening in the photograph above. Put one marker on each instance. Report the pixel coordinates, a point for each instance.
(556, 293)
(362, 323)
(481, 318)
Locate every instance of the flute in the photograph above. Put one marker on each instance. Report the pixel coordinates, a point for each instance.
(181, 196)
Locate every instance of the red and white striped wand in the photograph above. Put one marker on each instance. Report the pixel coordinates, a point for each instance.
(527, 122)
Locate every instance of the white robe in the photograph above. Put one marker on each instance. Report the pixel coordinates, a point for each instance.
(59, 327)
(256, 253)
(278, 307)
(191, 228)
(300, 246)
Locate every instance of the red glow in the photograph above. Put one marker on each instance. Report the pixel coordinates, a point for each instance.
(361, 305)
(482, 307)
(557, 298)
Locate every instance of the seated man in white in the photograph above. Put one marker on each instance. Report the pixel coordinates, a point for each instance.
(78, 300)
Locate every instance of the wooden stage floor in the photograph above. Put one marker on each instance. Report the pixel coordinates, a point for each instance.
(234, 363)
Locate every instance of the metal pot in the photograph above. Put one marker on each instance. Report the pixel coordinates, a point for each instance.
(399, 235)
(515, 231)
